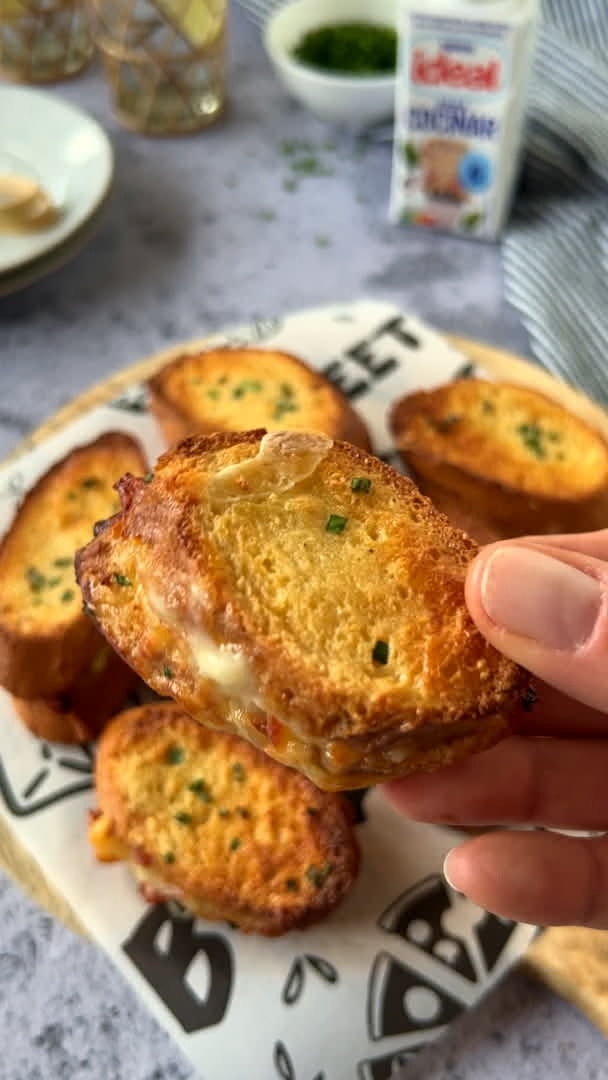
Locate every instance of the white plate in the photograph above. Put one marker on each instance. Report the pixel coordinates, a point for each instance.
(355, 996)
(71, 156)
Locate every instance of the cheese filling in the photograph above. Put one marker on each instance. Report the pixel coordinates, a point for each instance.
(284, 459)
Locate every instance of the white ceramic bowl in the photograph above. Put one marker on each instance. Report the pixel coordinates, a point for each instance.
(354, 100)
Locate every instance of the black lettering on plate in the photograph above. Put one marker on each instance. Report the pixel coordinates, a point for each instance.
(401, 1000)
(341, 374)
(166, 970)
(50, 782)
(388, 1065)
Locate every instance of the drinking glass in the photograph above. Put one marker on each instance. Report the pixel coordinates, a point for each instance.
(43, 40)
(165, 61)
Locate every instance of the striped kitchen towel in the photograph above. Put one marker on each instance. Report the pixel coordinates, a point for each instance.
(555, 250)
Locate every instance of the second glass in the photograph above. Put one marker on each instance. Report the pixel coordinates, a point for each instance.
(165, 61)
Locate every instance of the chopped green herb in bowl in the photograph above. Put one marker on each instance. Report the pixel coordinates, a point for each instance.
(353, 48)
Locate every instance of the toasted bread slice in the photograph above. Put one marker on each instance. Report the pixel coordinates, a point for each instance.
(45, 639)
(321, 594)
(207, 819)
(516, 459)
(238, 389)
(81, 712)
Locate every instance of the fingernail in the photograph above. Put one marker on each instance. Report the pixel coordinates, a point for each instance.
(446, 870)
(535, 596)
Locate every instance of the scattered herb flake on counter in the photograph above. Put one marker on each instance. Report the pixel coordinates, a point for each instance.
(335, 523)
(175, 755)
(121, 579)
(360, 483)
(380, 652)
(355, 48)
(322, 241)
(238, 772)
(289, 184)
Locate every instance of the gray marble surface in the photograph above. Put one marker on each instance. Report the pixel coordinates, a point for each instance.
(200, 233)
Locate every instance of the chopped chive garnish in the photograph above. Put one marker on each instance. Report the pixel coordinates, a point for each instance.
(532, 437)
(66, 561)
(244, 812)
(121, 579)
(201, 789)
(360, 483)
(286, 389)
(380, 652)
(335, 523)
(238, 772)
(487, 406)
(53, 581)
(148, 478)
(167, 671)
(90, 482)
(169, 857)
(283, 407)
(235, 843)
(444, 424)
(312, 811)
(67, 595)
(183, 817)
(291, 884)
(318, 875)
(71, 495)
(223, 379)
(223, 812)
(213, 394)
(36, 580)
(175, 755)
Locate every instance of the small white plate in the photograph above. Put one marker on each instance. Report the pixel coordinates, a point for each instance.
(71, 157)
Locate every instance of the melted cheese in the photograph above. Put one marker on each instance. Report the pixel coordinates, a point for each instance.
(106, 845)
(284, 459)
(224, 665)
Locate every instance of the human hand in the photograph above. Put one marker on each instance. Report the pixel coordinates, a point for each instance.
(543, 601)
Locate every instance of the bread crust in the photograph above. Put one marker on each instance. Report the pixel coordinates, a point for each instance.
(180, 416)
(344, 725)
(148, 761)
(43, 657)
(527, 481)
(81, 712)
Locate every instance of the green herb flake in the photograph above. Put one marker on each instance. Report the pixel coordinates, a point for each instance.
(444, 424)
(380, 652)
(183, 817)
(532, 436)
(235, 843)
(247, 386)
(167, 671)
(90, 482)
(213, 394)
(238, 772)
(201, 789)
(554, 436)
(318, 875)
(488, 406)
(36, 580)
(175, 755)
(335, 523)
(223, 812)
(244, 812)
(53, 581)
(266, 215)
(360, 483)
(410, 154)
(169, 857)
(148, 478)
(289, 184)
(309, 165)
(72, 496)
(65, 561)
(121, 579)
(283, 407)
(67, 596)
(292, 884)
(322, 240)
(286, 389)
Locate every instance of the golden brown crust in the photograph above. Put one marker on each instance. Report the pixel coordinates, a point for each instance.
(180, 396)
(45, 639)
(81, 712)
(516, 460)
(216, 823)
(226, 559)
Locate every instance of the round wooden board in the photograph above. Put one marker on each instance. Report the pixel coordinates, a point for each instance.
(573, 962)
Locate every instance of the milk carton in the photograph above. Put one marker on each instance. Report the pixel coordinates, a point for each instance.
(462, 80)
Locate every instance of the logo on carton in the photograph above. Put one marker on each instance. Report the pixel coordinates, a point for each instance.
(442, 69)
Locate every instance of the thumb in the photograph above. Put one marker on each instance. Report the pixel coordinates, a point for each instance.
(546, 607)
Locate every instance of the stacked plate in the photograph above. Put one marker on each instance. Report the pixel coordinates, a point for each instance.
(70, 157)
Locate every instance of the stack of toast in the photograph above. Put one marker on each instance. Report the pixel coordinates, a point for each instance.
(301, 602)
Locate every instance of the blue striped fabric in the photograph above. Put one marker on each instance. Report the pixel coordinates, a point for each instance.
(555, 250)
